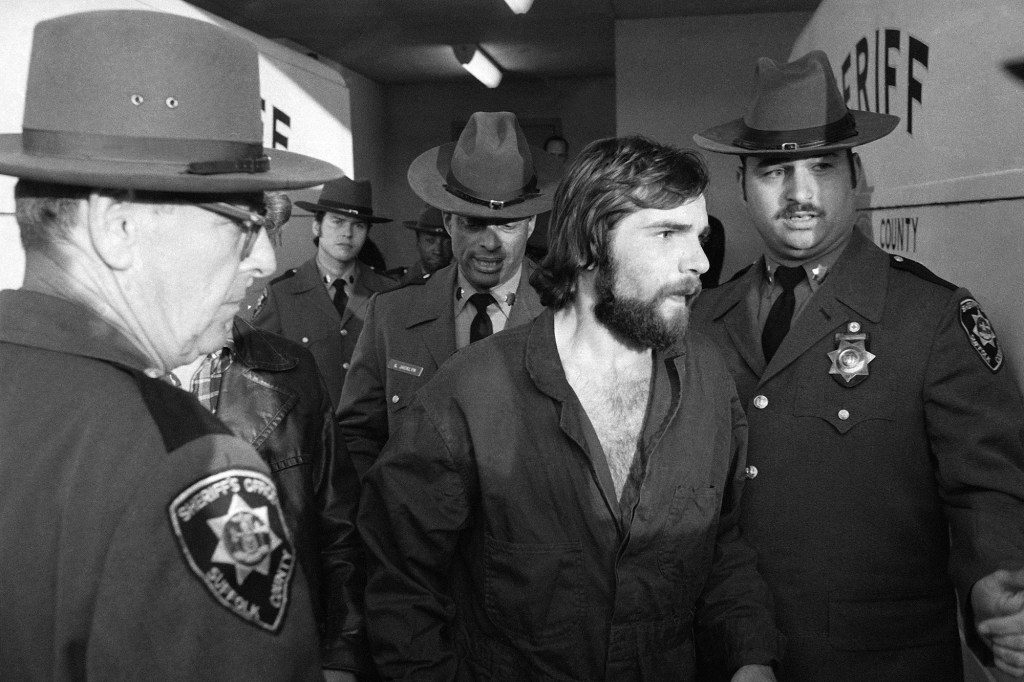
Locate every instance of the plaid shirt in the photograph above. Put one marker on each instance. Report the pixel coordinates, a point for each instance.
(206, 381)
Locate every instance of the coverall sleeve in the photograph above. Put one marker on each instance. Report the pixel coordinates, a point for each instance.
(362, 407)
(975, 423)
(414, 508)
(735, 621)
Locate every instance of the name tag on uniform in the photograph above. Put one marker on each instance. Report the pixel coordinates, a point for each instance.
(405, 367)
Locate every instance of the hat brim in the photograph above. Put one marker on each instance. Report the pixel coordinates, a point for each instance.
(429, 171)
(413, 225)
(317, 208)
(870, 127)
(288, 170)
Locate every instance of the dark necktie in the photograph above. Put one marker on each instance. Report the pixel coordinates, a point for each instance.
(340, 297)
(776, 326)
(481, 326)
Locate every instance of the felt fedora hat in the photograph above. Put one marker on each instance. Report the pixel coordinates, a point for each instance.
(143, 100)
(797, 109)
(346, 197)
(430, 221)
(490, 172)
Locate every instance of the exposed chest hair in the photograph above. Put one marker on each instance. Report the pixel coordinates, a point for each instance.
(615, 404)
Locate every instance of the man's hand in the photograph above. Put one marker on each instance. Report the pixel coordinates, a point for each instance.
(338, 675)
(998, 602)
(754, 673)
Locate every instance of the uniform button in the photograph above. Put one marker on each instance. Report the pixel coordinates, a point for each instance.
(760, 402)
(344, 365)
(153, 373)
(344, 332)
(305, 339)
(394, 398)
(844, 414)
(751, 471)
(853, 327)
(898, 259)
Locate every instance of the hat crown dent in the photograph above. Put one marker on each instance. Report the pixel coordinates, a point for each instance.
(798, 95)
(141, 74)
(492, 159)
(357, 194)
(430, 218)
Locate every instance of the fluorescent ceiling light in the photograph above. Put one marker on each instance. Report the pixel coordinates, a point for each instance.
(519, 6)
(479, 64)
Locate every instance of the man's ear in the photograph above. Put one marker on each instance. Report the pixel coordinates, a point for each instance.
(114, 227)
(316, 227)
(741, 178)
(448, 219)
(857, 168)
(532, 224)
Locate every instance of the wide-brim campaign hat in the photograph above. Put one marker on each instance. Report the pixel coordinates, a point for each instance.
(490, 172)
(346, 197)
(797, 109)
(131, 99)
(429, 222)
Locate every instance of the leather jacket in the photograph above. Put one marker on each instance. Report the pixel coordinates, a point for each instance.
(272, 396)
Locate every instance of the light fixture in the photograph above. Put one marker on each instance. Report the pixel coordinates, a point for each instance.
(519, 6)
(474, 60)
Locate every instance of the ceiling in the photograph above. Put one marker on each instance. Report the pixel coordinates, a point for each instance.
(409, 41)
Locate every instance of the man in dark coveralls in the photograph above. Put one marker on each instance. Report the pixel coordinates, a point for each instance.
(489, 185)
(885, 432)
(140, 539)
(322, 303)
(561, 500)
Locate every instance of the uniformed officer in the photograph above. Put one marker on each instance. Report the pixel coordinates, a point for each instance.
(433, 243)
(322, 303)
(141, 540)
(886, 463)
(489, 186)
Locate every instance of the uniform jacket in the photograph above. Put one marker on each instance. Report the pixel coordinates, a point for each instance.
(860, 487)
(410, 332)
(112, 485)
(273, 397)
(498, 547)
(296, 305)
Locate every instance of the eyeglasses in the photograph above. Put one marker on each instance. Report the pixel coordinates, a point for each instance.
(248, 221)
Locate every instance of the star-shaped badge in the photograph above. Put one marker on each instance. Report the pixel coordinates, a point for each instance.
(851, 358)
(245, 539)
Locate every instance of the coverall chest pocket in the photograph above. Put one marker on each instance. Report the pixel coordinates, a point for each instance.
(535, 590)
(687, 537)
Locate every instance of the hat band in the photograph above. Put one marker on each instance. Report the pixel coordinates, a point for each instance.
(528, 191)
(346, 208)
(791, 140)
(204, 157)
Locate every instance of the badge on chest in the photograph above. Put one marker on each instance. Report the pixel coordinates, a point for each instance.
(851, 356)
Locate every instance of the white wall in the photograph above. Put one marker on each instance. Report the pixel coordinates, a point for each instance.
(678, 76)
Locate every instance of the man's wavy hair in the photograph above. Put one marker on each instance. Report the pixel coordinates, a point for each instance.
(610, 179)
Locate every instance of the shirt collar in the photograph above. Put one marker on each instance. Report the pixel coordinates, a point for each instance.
(817, 269)
(504, 294)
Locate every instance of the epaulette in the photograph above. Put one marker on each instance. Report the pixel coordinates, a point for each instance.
(283, 276)
(741, 272)
(915, 268)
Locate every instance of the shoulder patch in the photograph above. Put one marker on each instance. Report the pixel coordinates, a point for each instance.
(742, 271)
(177, 414)
(915, 268)
(981, 334)
(232, 535)
(283, 276)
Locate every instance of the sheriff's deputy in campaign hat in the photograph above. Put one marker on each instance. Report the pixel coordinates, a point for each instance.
(141, 539)
(884, 451)
(488, 186)
(321, 304)
(433, 243)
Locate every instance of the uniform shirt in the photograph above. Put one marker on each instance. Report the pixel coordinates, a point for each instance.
(504, 295)
(120, 499)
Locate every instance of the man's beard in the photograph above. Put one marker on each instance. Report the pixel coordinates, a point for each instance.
(637, 321)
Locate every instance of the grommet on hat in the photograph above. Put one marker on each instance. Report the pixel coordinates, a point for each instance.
(490, 172)
(429, 222)
(346, 197)
(132, 99)
(797, 109)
